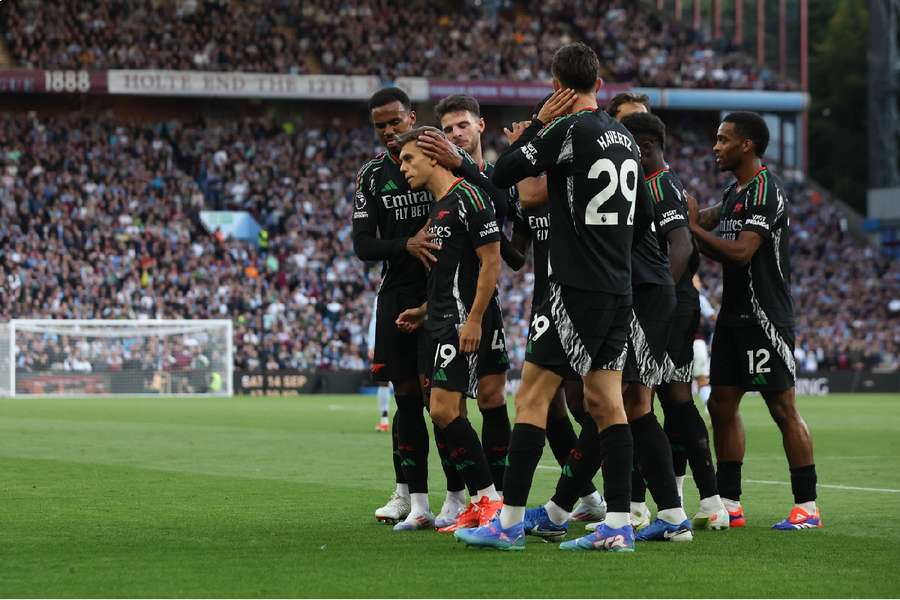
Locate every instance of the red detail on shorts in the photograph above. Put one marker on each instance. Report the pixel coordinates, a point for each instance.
(377, 367)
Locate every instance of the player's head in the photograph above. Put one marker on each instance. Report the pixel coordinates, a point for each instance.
(460, 117)
(576, 67)
(392, 114)
(415, 166)
(741, 136)
(649, 132)
(627, 103)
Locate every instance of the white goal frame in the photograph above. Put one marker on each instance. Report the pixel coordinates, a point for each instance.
(155, 327)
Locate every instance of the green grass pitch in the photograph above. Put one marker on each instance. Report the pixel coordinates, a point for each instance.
(257, 497)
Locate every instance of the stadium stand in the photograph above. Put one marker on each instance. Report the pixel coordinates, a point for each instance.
(99, 219)
(372, 37)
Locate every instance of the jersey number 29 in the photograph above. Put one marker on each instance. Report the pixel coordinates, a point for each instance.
(627, 172)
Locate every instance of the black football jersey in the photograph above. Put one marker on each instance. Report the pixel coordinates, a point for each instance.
(594, 178)
(670, 210)
(760, 290)
(535, 224)
(387, 209)
(462, 220)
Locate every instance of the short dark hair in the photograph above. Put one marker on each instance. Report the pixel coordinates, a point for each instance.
(413, 134)
(646, 125)
(388, 95)
(456, 103)
(753, 127)
(576, 66)
(616, 102)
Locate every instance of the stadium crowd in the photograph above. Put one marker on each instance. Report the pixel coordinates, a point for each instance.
(99, 219)
(428, 39)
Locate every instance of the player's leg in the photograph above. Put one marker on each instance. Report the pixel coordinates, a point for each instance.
(728, 379)
(562, 440)
(455, 376)
(686, 426)
(384, 403)
(493, 362)
(526, 446)
(495, 428)
(394, 360)
(413, 445)
(455, 499)
(560, 434)
(591, 506)
(701, 369)
(615, 452)
(730, 444)
(654, 458)
(798, 448)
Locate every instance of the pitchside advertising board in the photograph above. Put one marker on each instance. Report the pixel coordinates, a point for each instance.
(292, 383)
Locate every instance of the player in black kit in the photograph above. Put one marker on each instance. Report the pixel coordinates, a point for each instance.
(753, 345)
(388, 226)
(461, 286)
(531, 227)
(594, 182)
(683, 423)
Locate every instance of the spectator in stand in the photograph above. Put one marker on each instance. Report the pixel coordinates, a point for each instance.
(99, 219)
(368, 37)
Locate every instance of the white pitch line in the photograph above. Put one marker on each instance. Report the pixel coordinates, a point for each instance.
(768, 482)
(829, 486)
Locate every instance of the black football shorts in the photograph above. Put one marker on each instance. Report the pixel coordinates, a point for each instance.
(492, 354)
(451, 369)
(648, 337)
(680, 351)
(575, 331)
(753, 356)
(395, 351)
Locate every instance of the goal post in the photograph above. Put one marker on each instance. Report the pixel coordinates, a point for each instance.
(93, 357)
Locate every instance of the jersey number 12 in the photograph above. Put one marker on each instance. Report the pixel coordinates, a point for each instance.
(627, 172)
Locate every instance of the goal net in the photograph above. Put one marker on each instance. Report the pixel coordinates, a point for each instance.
(98, 357)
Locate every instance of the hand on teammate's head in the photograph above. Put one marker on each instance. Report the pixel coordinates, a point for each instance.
(559, 104)
(437, 147)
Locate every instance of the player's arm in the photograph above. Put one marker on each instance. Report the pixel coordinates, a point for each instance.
(708, 218)
(738, 251)
(458, 161)
(643, 208)
(535, 149)
(411, 318)
(484, 234)
(366, 243)
(511, 254)
(533, 192)
(672, 223)
(488, 276)
(521, 239)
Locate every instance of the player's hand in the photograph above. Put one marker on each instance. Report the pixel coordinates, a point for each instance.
(439, 148)
(516, 131)
(421, 246)
(371, 354)
(410, 319)
(693, 210)
(558, 105)
(470, 336)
